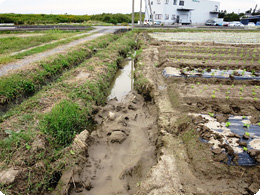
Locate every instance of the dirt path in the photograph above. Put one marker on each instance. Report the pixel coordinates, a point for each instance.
(40, 56)
(122, 149)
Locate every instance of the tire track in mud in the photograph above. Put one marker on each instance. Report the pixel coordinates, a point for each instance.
(122, 149)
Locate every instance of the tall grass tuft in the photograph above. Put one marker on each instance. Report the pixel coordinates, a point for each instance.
(64, 121)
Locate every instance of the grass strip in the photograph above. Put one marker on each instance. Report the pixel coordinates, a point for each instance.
(28, 82)
(39, 49)
(65, 113)
(15, 43)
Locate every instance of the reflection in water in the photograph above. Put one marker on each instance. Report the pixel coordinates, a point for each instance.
(123, 82)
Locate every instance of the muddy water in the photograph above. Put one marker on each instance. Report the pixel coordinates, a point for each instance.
(123, 82)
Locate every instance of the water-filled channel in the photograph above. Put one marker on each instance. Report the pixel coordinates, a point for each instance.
(123, 82)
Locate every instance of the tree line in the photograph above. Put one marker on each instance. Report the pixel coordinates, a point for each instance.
(237, 16)
(29, 19)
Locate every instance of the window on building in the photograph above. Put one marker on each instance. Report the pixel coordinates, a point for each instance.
(151, 2)
(173, 17)
(166, 1)
(158, 16)
(158, 1)
(181, 3)
(166, 16)
(174, 2)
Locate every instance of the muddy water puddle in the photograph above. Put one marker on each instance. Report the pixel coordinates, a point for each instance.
(212, 73)
(238, 133)
(123, 82)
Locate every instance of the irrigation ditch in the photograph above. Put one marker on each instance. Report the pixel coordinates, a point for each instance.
(140, 117)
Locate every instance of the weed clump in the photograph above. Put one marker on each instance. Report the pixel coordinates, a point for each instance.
(64, 122)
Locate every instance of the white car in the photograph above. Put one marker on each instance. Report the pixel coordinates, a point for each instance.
(148, 22)
(235, 24)
(251, 24)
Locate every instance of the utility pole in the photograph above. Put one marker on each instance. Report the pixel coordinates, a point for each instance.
(133, 13)
(141, 12)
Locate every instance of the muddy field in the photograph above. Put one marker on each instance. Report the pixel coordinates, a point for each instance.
(215, 90)
(180, 117)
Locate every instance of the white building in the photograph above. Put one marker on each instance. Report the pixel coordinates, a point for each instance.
(181, 11)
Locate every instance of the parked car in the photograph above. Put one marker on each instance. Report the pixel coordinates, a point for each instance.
(225, 23)
(157, 22)
(251, 24)
(211, 23)
(257, 24)
(236, 23)
(148, 22)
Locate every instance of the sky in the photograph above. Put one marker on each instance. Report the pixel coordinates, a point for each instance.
(81, 7)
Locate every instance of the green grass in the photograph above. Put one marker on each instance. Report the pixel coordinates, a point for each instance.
(39, 49)
(14, 44)
(15, 142)
(64, 122)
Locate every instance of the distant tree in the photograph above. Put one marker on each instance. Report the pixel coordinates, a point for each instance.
(222, 14)
(231, 17)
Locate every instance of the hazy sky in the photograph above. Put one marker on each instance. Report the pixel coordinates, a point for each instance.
(98, 6)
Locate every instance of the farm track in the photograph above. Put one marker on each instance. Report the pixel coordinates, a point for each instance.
(11, 67)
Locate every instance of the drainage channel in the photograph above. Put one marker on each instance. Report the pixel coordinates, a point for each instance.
(123, 82)
(122, 149)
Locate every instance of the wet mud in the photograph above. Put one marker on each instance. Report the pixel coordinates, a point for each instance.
(122, 149)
